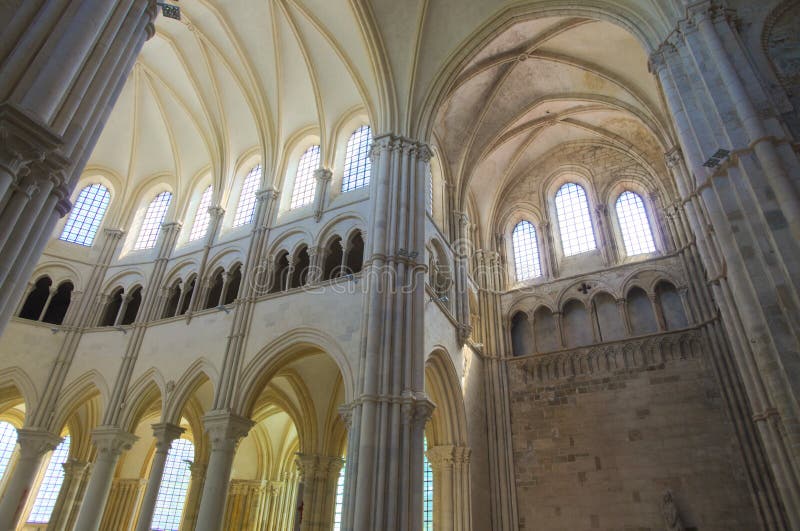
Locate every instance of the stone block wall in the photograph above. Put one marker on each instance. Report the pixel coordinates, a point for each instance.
(596, 447)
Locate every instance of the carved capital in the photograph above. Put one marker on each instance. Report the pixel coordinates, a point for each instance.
(322, 175)
(416, 408)
(23, 140)
(318, 467)
(111, 441)
(225, 429)
(164, 433)
(35, 442)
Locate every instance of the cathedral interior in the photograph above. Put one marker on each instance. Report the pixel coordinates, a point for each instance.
(380, 265)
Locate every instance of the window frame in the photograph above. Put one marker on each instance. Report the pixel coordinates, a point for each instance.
(235, 223)
(367, 177)
(96, 218)
(649, 210)
(151, 198)
(590, 202)
(201, 214)
(311, 168)
(539, 258)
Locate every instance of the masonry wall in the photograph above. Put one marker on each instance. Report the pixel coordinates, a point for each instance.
(598, 451)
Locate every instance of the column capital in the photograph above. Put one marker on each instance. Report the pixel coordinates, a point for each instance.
(34, 442)
(323, 174)
(390, 142)
(164, 433)
(114, 234)
(267, 193)
(111, 441)
(317, 467)
(75, 467)
(225, 429)
(23, 139)
(417, 408)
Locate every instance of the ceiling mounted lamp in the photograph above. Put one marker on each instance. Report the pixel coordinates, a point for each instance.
(170, 10)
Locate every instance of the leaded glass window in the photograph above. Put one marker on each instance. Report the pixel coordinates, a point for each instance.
(86, 215)
(174, 486)
(202, 217)
(303, 191)
(634, 225)
(8, 440)
(51, 485)
(574, 220)
(526, 251)
(357, 164)
(427, 491)
(247, 199)
(337, 514)
(153, 218)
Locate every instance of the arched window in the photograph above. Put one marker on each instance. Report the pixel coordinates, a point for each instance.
(357, 164)
(202, 216)
(280, 272)
(634, 225)
(59, 304)
(112, 308)
(300, 269)
(86, 215)
(215, 291)
(132, 309)
(234, 282)
(354, 258)
(153, 218)
(303, 191)
(526, 251)
(174, 486)
(427, 490)
(339, 503)
(37, 298)
(247, 199)
(171, 307)
(334, 255)
(51, 485)
(8, 440)
(574, 221)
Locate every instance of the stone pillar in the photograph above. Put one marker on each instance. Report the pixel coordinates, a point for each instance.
(164, 434)
(224, 431)
(198, 471)
(33, 444)
(389, 413)
(745, 214)
(323, 179)
(502, 493)
(50, 294)
(110, 443)
(318, 475)
(126, 298)
(450, 467)
(59, 83)
(68, 502)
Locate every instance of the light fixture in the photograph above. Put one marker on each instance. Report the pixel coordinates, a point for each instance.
(715, 159)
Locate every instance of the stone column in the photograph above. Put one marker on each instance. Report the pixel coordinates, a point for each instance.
(110, 442)
(164, 434)
(745, 215)
(74, 474)
(198, 471)
(224, 431)
(316, 255)
(323, 179)
(318, 474)
(63, 65)
(126, 298)
(386, 439)
(50, 294)
(450, 467)
(33, 444)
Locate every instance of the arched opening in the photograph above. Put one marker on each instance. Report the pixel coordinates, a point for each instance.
(640, 312)
(173, 300)
(186, 297)
(446, 472)
(545, 331)
(332, 267)
(111, 310)
(59, 304)
(215, 289)
(37, 298)
(609, 321)
(280, 274)
(671, 306)
(354, 260)
(576, 324)
(300, 268)
(234, 282)
(297, 440)
(521, 340)
(132, 308)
